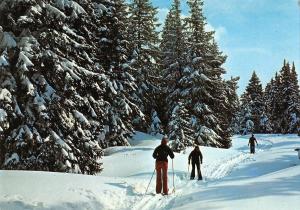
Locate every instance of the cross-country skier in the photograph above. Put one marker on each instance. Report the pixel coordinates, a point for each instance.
(161, 154)
(252, 142)
(196, 158)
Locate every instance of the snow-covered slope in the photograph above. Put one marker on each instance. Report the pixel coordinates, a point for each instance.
(233, 180)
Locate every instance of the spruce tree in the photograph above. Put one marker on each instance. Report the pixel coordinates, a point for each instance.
(294, 102)
(122, 110)
(295, 105)
(62, 122)
(277, 110)
(180, 127)
(173, 62)
(155, 127)
(203, 87)
(144, 57)
(50, 119)
(230, 114)
(289, 89)
(285, 90)
(252, 104)
(268, 98)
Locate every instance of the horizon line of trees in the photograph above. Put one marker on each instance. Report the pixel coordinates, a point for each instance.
(274, 109)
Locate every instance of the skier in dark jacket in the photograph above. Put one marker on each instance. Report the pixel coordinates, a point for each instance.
(161, 154)
(252, 142)
(196, 157)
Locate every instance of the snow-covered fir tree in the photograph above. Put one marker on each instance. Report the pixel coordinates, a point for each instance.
(155, 127)
(276, 110)
(285, 109)
(291, 103)
(246, 124)
(268, 99)
(180, 128)
(173, 62)
(144, 57)
(252, 106)
(204, 89)
(294, 103)
(122, 110)
(231, 113)
(65, 90)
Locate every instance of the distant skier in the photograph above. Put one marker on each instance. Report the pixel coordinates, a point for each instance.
(161, 154)
(196, 157)
(252, 142)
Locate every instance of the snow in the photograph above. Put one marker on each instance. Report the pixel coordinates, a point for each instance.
(233, 179)
(36, 9)
(25, 19)
(24, 61)
(81, 117)
(7, 41)
(71, 32)
(5, 95)
(29, 85)
(14, 157)
(100, 8)
(3, 61)
(3, 115)
(55, 12)
(60, 142)
(39, 102)
(61, 4)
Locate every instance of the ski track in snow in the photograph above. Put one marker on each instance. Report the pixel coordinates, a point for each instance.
(212, 173)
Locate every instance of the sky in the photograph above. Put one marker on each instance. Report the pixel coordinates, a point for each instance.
(254, 34)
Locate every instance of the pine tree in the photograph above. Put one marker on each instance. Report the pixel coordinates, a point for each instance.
(252, 105)
(293, 102)
(230, 114)
(180, 128)
(276, 111)
(289, 104)
(50, 119)
(144, 56)
(121, 84)
(285, 90)
(204, 88)
(155, 127)
(60, 123)
(269, 100)
(173, 61)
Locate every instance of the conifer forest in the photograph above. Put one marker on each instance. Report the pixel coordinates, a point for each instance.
(79, 76)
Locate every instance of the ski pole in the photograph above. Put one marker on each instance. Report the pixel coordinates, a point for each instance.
(173, 176)
(150, 182)
(188, 170)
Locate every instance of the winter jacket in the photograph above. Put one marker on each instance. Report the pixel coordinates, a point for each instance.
(252, 141)
(196, 156)
(162, 152)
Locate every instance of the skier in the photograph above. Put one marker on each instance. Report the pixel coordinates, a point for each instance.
(161, 154)
(252, 142)
(196, 157)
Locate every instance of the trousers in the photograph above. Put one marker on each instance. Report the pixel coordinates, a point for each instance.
(195, 164)
(252, 149)
(162, 177)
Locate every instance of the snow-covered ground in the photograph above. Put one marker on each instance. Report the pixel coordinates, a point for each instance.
(233, 180)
